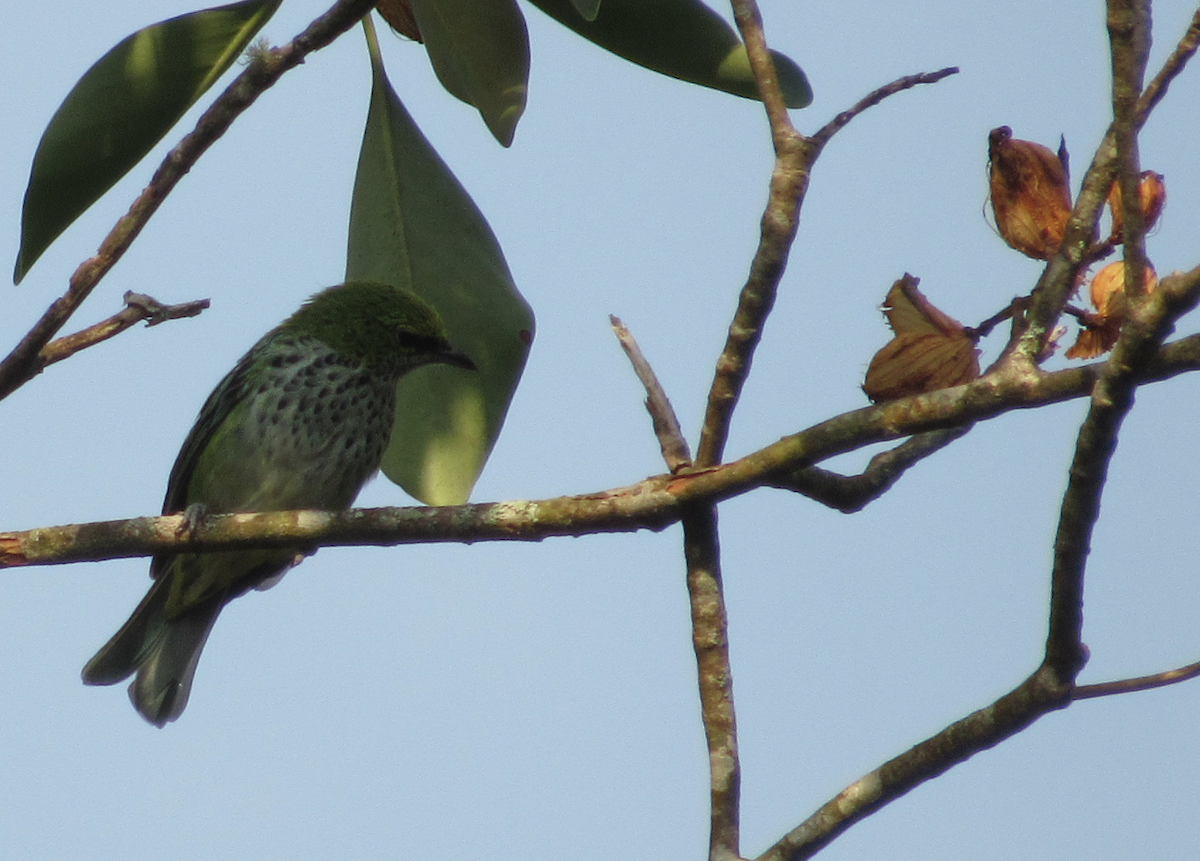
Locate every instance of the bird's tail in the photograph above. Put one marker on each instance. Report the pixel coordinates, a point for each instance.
(163, 652)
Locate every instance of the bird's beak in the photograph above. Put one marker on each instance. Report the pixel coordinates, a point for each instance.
(458, 359)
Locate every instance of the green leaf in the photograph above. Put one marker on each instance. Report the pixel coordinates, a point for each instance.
(122, 107)
(480, 52)
(589, 9)
(413, 225)
(681, 38)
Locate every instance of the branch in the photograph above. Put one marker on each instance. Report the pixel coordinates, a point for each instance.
(710, 622)
(873, 98)
(23, 363)
(985, 728)
(674, 447)
(851, 493)
(1141, 336)
(750, 25)
(1112, 399)
(1060, 277)
(1184, 50)
(138, 307)
(794, 159)
(1142, 683)
(710, 639)
(1051, 687)
(654, 503)
(1129, 35)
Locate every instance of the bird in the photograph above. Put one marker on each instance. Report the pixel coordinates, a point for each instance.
(301, 422)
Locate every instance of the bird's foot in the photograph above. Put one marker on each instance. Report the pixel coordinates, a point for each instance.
(193, 516)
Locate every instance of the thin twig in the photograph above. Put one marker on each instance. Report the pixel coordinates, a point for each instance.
(1015, 307)
(985, 728)
(22, 363)
(1184, 50)
(138, 307)
(674, 447)
(1142, 683)
(827, 131)
(851, 493)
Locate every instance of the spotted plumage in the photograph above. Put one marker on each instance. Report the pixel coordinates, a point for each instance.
(301, 421)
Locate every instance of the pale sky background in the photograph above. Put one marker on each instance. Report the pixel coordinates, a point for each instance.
(538, 701)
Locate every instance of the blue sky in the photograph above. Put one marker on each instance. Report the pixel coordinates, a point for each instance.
(539, 700)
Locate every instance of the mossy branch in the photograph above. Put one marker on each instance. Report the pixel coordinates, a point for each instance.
(654, 503)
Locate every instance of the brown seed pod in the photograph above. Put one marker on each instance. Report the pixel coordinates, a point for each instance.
(1154, 197)
(1099, 333)
(1030, 194)
(930, 351)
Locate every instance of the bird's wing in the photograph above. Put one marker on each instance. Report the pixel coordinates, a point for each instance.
(231, 391)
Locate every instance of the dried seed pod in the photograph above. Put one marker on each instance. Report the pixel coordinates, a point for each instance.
(1108, 288)
(399, 15)
(1099, 333)
(1030, 193)
(930, 351)
(1154, 197)
(1095, 339)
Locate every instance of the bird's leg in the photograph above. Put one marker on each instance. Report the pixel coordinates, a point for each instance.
(193, 516)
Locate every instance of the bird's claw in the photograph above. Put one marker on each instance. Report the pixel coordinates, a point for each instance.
(193, 516)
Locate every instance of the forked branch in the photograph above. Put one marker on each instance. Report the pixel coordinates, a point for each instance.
(23, 363)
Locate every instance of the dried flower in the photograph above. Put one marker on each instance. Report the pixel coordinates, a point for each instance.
(1154, 197)
(1030, 193)
(1098, 332)
(930, 351)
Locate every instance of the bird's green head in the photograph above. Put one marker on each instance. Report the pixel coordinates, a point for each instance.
(376, 324)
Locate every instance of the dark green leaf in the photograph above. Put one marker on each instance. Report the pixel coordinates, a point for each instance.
(412, 224)
(589, 9)
(122, 107)
(480, 52)
(681, 38)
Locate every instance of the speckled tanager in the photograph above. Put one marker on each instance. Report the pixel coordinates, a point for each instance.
(301, 421)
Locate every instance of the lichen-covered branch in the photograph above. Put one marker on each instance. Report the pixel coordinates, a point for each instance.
(23, 363)
(989, 726)
(710, 639)
(654, 503)
(1111, 401)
